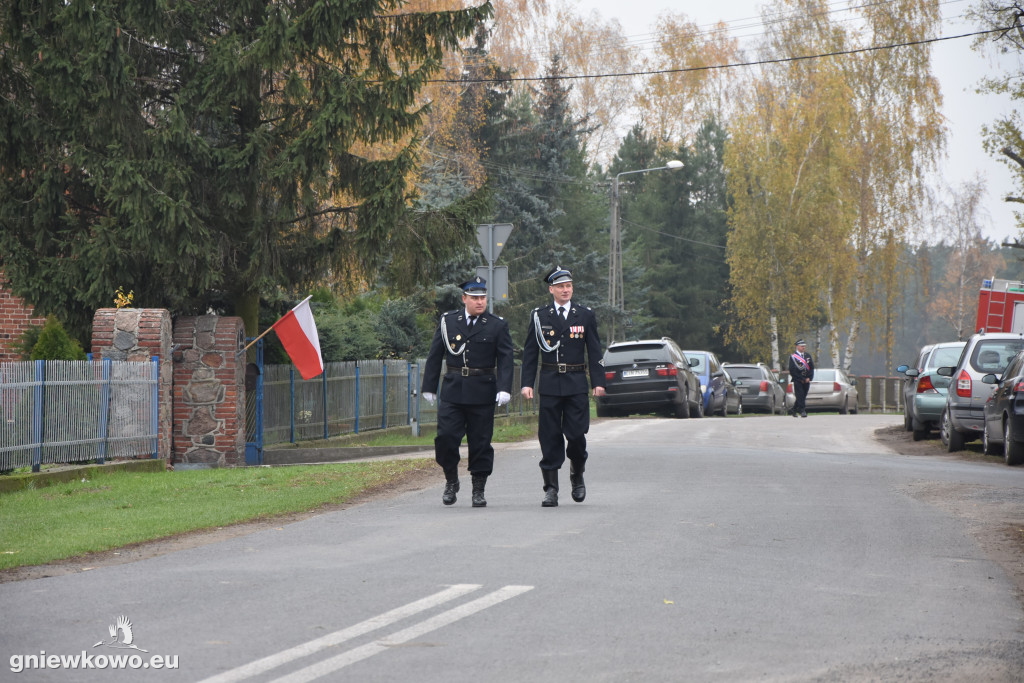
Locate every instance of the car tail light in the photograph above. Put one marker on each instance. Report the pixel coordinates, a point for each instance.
(789, 388)
(666, 371)
(836, 388)
(963, 384)
(1019, 388)
(609, 374)
(764, 385)
(925, 386)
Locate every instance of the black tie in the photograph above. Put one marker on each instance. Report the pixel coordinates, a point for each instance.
(472, 320)
(561, 312)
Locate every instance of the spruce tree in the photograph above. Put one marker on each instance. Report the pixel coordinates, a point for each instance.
(204, 153)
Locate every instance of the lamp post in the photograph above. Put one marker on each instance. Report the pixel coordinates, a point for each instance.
(615, 297)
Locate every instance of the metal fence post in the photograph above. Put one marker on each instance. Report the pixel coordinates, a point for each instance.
(101, 446)
(37, 415)
(291, 393)
(323, 392)
(384, 394)
(357, 399)
(155, 410)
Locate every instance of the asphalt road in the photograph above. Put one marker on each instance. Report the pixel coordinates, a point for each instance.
(721, 549)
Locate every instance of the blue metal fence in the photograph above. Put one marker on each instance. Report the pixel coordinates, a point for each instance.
(351, 397)
(71, 411)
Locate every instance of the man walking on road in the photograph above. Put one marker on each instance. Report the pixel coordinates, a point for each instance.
(477, 348)
(562, 338)
(801, 372)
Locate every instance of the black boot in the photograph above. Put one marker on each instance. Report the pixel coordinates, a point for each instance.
(579, 490)
(479, 481)
(451, 487)
(550, 488)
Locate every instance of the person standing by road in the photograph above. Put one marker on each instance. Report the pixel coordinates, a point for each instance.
(477, 348)
(801, 372)
(563, 339)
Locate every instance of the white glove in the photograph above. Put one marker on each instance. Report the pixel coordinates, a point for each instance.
(502, 398)
(429, 397)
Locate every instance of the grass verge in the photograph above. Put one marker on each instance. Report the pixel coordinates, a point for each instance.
(112, 510)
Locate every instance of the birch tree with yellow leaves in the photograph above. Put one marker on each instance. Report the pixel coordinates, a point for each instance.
(828, 170)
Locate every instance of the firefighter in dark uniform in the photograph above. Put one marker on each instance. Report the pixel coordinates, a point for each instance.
(801, 372)
(477, 348)
(562, 339)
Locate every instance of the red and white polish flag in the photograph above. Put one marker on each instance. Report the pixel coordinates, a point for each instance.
(297, 332)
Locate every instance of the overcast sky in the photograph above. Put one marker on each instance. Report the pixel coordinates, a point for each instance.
(958, 67)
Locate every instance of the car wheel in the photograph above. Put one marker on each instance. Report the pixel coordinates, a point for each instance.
(698, 409)
(682, 410)
(1013, 452)
(953, 439)
(845, 408)
(772, 409)
(987, 447)
(908, 419)
(739, 406)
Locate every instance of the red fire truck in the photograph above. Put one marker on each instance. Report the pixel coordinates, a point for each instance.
(1000, 306)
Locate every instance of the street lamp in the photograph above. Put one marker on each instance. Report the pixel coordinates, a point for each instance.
(615, 298)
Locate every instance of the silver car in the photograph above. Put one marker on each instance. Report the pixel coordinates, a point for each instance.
(924, 391)
(831, 389)
(963, 419)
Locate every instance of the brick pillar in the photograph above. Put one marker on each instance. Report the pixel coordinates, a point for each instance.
(137, 334)
(15, 317)
(209, 391)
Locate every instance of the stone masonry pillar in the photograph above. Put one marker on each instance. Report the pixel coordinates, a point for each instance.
(209, 391)
(137, 334)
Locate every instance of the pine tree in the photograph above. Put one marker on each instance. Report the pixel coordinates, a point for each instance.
(204, 153)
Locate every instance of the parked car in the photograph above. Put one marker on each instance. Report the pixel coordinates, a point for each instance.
(963, 418)
(646, 376)
(758, 387)
(831, 389)
(924, 391)
(717, 387)
(1004, 413)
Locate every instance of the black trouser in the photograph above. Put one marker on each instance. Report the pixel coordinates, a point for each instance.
(476, 423)
(800, 395)
(568, 416)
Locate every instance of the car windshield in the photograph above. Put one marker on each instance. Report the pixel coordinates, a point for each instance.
(744, 373)
(635, 353)
(992, 355)
(945, 356)
(824, 375)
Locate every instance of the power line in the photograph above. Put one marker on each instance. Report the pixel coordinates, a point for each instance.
(733, 65)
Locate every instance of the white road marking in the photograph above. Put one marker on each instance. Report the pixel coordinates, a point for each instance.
(331, 665)
(273, 661)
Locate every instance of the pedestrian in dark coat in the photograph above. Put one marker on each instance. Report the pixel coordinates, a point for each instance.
(801, 372)
(563, 341)
(476, 347)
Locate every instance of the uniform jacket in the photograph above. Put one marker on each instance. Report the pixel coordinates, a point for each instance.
(487, 345)
(580, 344)
(798, 372)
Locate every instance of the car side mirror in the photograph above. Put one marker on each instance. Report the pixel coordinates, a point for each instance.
(902, 368)
(738, 382)
(990, 379)
(945, 371)
(911, 372)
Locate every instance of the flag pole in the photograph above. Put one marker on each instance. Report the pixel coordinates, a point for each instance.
(267, 331)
